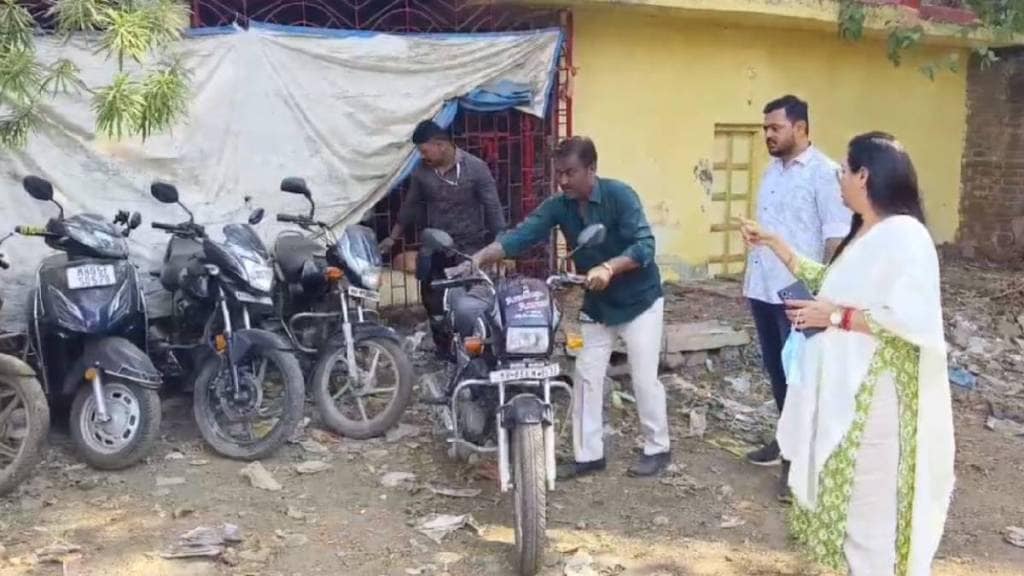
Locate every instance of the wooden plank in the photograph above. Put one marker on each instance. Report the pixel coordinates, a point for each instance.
(727, 259)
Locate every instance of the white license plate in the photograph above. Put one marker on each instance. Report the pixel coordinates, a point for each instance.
(91, 276)
(247, 298)
(370, 295)
(526, 373)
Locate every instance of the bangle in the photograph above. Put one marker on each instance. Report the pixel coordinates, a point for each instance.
(608, 267)
(847, 323)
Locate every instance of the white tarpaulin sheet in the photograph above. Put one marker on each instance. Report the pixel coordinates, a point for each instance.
(336, 108)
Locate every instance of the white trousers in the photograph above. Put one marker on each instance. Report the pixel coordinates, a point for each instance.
(643, 345)
(870, 546)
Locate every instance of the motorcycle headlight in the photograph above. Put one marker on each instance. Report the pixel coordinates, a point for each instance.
(261, 276)
(370, 277)
(521, 340)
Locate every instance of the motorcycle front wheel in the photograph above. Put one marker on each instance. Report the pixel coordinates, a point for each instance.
(529, 496)
(127, 436)
(24, 422)
(263, 415)
(370, 405)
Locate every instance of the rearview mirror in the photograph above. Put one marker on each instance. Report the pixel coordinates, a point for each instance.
(435, 239)
(135, 221)
(295, 186)
(38, 188)
(257, 216)
(591, 236)
(164, 192)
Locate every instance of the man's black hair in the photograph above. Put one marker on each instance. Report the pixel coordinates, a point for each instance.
(429, 130)
(579, 146)
(796, 109)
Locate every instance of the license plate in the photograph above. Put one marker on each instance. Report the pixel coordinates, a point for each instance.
(370, 295)
(526, 373)
(247, 298)
(91, 276)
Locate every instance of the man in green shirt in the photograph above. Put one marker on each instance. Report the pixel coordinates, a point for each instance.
(623, 299)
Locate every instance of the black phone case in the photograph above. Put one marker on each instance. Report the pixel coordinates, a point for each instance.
(799, 291)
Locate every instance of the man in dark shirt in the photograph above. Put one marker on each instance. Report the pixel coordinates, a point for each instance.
(454, 191)
(624, 299)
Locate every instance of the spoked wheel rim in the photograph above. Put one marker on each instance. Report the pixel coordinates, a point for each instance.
(14, 424)
(259, 412)
(125, 416)
(367, 398)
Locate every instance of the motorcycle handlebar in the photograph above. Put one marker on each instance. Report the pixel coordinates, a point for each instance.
(166, 227)
(289, 218)
(31, 231)
(566, 278)
(455, 283)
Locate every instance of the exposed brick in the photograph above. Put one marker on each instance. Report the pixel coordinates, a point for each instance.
(992, 200)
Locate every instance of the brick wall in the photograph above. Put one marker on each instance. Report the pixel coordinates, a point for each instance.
(992, 200)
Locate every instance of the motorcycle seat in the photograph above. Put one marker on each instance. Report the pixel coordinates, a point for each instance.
(468, 306)
(292, 251)
(180, 253)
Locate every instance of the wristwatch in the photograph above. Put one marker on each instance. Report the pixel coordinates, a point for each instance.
(836, 318)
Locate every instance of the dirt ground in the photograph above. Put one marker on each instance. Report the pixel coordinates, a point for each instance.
(712, 515)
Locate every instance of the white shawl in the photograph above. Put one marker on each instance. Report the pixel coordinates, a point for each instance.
(892, 272)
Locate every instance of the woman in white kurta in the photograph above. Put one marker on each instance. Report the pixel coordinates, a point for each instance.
(869, 428)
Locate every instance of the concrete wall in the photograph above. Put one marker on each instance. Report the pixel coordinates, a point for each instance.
(992, 207)
(651, 88)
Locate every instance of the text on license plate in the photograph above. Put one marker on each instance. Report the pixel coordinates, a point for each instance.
(525, 373)
(364, 294)
(91, 276)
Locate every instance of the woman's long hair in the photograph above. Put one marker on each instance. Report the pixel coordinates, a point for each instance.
(892, 179)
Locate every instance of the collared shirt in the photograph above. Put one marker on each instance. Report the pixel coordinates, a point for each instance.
(802, 204)
(618, 207)
(462, 201)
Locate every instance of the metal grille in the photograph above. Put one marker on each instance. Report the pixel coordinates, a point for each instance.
(516, 146)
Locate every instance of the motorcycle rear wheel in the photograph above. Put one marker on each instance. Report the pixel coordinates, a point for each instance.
(22, 397)
(529, 496)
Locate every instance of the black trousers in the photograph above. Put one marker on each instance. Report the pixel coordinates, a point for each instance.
(772, 331)
(428, 269)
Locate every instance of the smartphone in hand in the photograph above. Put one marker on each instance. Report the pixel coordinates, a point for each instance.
(799, 291)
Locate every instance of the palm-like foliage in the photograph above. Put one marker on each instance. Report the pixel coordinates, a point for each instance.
(147, 94)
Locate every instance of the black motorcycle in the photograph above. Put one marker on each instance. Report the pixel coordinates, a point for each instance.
(248, 391)
(88, 334)
(498, 398)
(326, 292)
(24, 414)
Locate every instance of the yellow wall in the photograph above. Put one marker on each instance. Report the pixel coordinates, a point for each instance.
(650, 90)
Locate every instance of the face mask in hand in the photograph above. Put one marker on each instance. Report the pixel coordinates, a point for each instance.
(791, 353)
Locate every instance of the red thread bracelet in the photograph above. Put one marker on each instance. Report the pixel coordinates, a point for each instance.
(847, 322)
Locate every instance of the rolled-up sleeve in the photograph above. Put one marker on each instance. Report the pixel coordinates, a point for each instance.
(535, 229)
(633, 227)
(834, 216)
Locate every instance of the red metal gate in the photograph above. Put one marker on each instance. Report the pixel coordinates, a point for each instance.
(516, 146)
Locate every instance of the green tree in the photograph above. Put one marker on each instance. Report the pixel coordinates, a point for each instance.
(1004, 19)
(148, 92)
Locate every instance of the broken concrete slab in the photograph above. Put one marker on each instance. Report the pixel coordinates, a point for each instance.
(700, 336)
